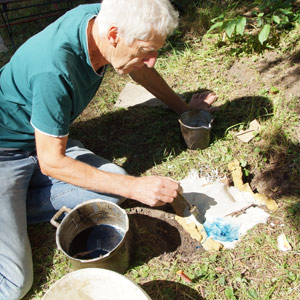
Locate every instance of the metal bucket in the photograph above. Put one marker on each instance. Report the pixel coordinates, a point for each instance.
(95, 284)
(195, 127)
(112, 242)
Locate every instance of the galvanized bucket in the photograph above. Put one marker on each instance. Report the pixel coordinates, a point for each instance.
(195, 127)
(86, 216)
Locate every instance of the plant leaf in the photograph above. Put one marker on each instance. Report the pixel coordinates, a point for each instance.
(229, 293)
(252, 293)
(259, 22)
(243, 163)
(285, 19)
(216, 25)
(221, 280)
(264, 34)
(276, 19)
(217, 18)
(240, 25)
(230, 27)
(285, 11)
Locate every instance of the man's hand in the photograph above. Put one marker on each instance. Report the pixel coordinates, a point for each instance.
(155, 190)
(203, 101)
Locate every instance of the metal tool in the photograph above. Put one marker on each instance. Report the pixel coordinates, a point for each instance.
(192, 208)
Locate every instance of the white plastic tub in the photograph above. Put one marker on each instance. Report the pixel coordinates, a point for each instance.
(95, 284)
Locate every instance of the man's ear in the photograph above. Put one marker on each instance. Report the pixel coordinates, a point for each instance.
(113, 36)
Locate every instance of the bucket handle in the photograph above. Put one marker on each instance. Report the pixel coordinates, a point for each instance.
(57, 215)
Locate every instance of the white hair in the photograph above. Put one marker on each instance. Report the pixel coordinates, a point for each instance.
(137, 19)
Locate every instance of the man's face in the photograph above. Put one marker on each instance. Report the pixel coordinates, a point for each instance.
(130, 58)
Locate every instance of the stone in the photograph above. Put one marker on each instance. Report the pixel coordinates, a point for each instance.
(134, 94)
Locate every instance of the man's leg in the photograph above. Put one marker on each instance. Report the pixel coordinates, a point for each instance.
(16, 271)
(47, 195)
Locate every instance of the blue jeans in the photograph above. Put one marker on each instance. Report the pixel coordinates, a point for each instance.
(26, 195)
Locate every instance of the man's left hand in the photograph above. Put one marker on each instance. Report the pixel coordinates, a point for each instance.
(203, 101)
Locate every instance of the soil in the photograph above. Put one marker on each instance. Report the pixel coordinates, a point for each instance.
(156, 234)
(155, 230)
(270, 70)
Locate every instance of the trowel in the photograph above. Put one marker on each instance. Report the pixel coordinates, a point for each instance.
(188, 217)
(179, 205)
(192, 208)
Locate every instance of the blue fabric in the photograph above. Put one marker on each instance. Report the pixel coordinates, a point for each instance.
(23, 187)
(221, 230)
(16, 272)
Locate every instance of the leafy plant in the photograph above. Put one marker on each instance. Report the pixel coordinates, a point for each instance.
(229, 26)
(267, 18)
(274, 15)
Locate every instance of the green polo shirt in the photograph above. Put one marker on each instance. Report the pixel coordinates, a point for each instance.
(48, 81)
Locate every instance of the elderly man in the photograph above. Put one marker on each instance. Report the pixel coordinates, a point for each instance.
(44, 87)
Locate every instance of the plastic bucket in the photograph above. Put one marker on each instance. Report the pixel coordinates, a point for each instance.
(95, 284)
(94, 234)
(195, 127)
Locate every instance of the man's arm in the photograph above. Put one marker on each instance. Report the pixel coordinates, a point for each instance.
(150, 190)
(151, 80)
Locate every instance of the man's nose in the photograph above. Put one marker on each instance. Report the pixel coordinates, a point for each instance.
(150, 61)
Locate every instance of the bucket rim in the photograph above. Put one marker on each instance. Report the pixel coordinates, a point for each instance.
(199, 111)
(109, 254)
(195, 128)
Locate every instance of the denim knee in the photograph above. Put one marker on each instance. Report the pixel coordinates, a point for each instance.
(11, 291)
(113, 168)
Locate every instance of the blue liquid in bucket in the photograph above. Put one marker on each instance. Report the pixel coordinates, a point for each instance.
(95, 242)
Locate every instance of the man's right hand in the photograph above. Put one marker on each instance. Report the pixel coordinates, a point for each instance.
(155, 190)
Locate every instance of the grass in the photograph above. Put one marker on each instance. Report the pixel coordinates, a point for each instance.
(191, 62)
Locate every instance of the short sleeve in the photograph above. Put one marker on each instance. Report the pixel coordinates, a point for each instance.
(51, 104)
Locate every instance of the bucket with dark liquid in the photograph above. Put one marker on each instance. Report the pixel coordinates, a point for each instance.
(195, 127)
(94, 234)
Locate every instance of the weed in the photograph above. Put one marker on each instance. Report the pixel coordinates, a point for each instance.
(259, 27)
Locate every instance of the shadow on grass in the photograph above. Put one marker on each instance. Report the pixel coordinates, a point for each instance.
(142, 136)
(166, 290)
(240, 111)
(147, 136)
